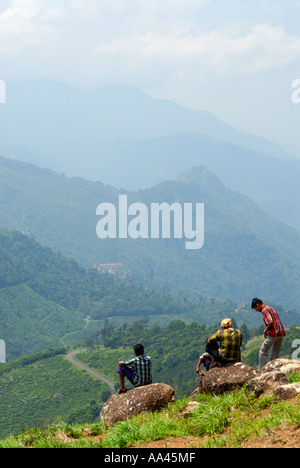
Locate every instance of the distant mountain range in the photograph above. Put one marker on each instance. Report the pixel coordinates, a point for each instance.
(120, 136)
(246, 252)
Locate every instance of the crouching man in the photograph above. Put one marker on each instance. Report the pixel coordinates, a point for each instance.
(137, 370)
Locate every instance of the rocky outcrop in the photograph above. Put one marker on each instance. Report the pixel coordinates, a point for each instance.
(223, 379)
(287, 366)
(266, 381)
(286, 392)
(274, 377)
(135, 401)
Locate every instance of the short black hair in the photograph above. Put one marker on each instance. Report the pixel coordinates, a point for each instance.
(256, 301)
(139, 349)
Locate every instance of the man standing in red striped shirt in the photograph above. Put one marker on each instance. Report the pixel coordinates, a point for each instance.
(273, 334)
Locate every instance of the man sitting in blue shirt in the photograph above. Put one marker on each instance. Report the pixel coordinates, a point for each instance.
(137, 370)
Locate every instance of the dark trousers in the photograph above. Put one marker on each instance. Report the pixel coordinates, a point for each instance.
(212, 348)
(127, 373)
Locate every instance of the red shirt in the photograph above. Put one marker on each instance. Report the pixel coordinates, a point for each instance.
(271, 315)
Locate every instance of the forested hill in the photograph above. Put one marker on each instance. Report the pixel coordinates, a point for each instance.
(49, 301)
(246, 252)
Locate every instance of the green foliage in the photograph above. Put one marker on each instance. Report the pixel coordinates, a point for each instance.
(65, 283)
(31, 359)
(61, 435)
(294, 378)
(49, 301)
(292, 335)
(29, 322)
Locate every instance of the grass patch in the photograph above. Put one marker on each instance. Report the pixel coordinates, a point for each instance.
(146, 427)
(218, 421)
(294, 378)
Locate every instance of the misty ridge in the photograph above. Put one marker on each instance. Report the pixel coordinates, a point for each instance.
(118, 142)
(236, 258)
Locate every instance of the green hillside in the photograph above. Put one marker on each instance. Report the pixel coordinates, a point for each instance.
(29, 322)
(246, 252)
(48, 301)
(46, 388)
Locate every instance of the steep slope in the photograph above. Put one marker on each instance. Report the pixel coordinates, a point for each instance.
(246, 252)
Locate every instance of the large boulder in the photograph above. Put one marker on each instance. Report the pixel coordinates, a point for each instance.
(147, 398)
(222, 379)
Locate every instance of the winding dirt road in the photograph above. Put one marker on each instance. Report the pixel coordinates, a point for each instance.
(70, 358)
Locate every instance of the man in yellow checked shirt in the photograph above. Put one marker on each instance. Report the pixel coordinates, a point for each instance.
(230, 340)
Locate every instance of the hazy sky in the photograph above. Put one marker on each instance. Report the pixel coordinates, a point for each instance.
(236, 58)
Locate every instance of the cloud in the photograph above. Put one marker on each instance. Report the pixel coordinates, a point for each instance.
(26, 24)
(263, 47)
(143, 33)
(216, 54)
(133, 39)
